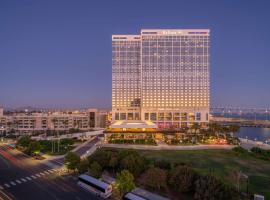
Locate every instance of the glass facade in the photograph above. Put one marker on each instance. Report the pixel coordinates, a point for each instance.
(163, 74)
(175, 70)
(126, 50)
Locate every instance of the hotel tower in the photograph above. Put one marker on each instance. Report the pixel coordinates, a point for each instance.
(162, 76)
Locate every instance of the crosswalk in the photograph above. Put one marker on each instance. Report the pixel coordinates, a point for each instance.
(19, 181)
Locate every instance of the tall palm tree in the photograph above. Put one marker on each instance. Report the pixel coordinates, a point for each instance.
(16, 123)
(54, 120)
(234, 128)
(33, 123)
(65, 122)
(9, 125)
(215, 128)
(196, 126)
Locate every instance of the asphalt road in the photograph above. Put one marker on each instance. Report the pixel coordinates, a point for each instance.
(80, 151)
(86, 147)
(23, 178)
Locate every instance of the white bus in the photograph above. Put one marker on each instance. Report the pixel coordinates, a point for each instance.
(94, 185)
(132, 196)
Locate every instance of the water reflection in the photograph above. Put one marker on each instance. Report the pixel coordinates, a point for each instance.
(260, 134)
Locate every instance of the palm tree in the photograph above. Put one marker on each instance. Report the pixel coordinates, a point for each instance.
(196, 126)
(42, 124)
(16, 123)
(54, 120)
(65, 122)
(33, 123)
(9, 125)
(234, 128)
(215, 128)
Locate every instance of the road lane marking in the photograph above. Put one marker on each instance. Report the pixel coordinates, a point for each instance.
(1, 188)
(28, 178)
(37, 175)
(51, 171)
(7, 185)
(5, 195)
(46, 172)
(12, 183)
(42, 174)
(23, 180)
(18, 181)
(33, 176)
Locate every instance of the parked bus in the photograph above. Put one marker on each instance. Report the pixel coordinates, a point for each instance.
(94, 185)
(132, 196)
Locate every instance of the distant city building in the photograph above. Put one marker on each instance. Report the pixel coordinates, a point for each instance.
(1, 111)
(27, 123)
(161, 75)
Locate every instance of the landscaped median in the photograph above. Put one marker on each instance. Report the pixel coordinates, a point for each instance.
(51, 147)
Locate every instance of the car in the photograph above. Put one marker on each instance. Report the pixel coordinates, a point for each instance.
(12, 145)
(39, 157)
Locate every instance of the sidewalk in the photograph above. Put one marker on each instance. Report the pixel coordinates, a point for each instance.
(248, 144)
(168, 147)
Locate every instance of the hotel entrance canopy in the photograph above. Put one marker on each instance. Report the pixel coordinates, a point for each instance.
(133, 126)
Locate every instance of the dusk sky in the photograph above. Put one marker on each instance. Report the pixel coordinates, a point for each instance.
(57, 54)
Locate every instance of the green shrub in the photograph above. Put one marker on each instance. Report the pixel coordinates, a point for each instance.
(182, 178)
(210, 188)
(240, 150)
(262, 153)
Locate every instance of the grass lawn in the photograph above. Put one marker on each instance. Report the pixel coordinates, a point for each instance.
(222, 163)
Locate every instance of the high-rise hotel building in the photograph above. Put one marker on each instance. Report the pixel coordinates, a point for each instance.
(162, 76)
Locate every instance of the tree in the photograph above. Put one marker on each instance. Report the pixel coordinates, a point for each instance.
(95, 170)
(33, 148)
(113, 161)
(196, 126)
(16, 123)
(116, 194)
(155, 178)
(83, 166)
(214, 128)
(72, 161)
(125, 181)
(54, 120)
(101, 156)
(210, 188)
(182, 178)
(24, 141)
(234, 128)
(133, 163)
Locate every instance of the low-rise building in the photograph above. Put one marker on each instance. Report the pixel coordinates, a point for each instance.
(27, 123)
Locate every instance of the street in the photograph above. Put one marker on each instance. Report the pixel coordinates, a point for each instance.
(81, 150)
(23, 178)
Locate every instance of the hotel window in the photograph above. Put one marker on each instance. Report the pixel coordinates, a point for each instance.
(146, 116)
(123, 116)
(198, 116)
(153, 116)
